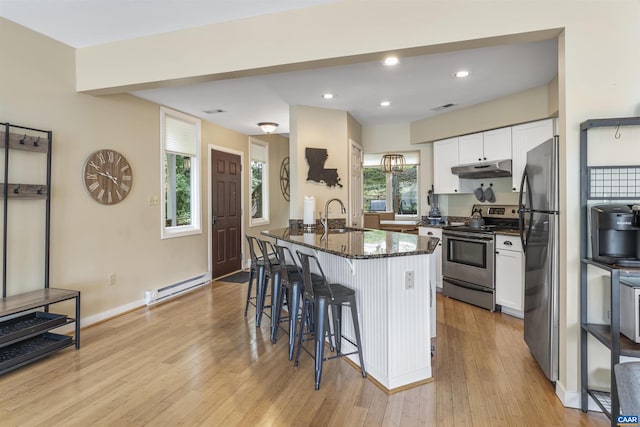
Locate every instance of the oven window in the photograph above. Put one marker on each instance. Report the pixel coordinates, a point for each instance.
(468, 253)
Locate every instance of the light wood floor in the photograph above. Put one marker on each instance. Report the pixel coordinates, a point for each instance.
(197, 361)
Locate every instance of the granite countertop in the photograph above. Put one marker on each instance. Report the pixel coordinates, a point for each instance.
(359, 243)
(433, 225)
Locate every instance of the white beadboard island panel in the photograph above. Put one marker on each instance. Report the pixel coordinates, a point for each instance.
(395, 322)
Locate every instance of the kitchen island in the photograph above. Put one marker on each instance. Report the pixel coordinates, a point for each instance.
(392, 276)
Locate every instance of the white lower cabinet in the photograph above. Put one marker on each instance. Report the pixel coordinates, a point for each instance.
(510, 275)
(435, 232)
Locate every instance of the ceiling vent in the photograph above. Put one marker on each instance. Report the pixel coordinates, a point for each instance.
(443, 107)
(214, 111)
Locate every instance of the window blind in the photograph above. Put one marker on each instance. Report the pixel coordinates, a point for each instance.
(259, 152)
(180, 136)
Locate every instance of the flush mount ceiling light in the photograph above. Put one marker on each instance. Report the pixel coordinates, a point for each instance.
(392, 163)
(385, 103)
(391, 60)
(462, 73)
(327, 95)
(268, 127)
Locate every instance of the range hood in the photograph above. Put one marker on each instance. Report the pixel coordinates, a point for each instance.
(493, 169)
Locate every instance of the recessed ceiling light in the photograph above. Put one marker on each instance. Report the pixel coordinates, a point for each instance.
(461, 74)
(327, 95)
(385, 103)
(391, 60)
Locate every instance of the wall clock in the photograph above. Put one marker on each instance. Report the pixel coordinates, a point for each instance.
(284, 178)
(107, 176)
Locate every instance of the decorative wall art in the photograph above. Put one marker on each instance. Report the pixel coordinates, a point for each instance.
(316, 157)
(285, 178)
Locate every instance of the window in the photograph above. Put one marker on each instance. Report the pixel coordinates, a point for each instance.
(259, 153)
(396, 192)
(180, 154)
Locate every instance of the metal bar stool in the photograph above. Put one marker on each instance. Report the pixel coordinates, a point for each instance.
(287, 283)
(325, 296)
(259, 272)
(271, 270)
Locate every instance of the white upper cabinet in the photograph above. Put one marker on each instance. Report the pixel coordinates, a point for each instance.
(445, 155)
(485, 146)
(497, 144)
(470, 148)
(524, 138)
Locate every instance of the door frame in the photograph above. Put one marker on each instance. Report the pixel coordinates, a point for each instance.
(211, 148)
(352, 144)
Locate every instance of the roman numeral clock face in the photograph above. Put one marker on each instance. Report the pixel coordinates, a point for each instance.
(107, 176)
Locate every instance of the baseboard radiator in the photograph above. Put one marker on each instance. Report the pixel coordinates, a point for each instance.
(176, 289)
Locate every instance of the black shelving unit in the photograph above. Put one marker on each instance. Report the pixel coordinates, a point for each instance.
(609, 335)
(25, 321)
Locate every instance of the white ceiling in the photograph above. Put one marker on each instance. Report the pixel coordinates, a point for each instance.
(415, 87)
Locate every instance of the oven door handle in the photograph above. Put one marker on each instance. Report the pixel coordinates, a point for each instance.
(467, 285)
(469, 239)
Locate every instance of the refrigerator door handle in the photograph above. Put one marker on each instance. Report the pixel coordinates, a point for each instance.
(522, 209)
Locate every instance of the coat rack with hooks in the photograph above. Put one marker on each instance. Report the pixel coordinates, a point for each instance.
(25, 321)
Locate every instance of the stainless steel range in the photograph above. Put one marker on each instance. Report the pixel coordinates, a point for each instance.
(468, 256)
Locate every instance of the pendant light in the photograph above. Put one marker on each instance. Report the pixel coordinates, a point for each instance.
(392, 163)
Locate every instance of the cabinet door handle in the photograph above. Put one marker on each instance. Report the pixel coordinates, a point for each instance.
(508, 243)
(429, 234)
(497, 253)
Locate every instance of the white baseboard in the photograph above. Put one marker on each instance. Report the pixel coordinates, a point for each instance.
(114, 312)
(105, 315)
(512, 312)
(573, 399)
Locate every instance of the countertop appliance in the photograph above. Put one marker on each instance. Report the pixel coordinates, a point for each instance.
(468, 255)
(630, 308)
(539, 226)
(615, 236)
(434, 213)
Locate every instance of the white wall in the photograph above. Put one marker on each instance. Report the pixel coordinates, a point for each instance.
(318, 128)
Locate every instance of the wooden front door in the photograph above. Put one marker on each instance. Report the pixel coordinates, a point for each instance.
(226, 228)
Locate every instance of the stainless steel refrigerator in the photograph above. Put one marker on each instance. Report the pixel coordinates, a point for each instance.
(539, 224)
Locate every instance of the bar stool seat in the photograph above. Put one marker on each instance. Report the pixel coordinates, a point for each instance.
(323, 298)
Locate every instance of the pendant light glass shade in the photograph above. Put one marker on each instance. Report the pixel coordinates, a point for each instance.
(268, 127)
(392, 163)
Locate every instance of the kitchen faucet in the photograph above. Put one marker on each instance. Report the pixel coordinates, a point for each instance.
(325, 221)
